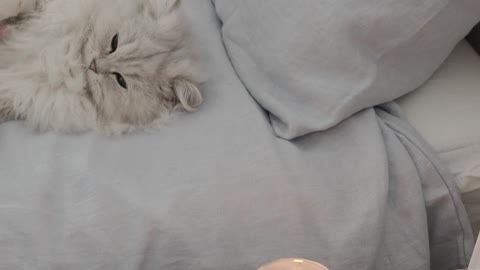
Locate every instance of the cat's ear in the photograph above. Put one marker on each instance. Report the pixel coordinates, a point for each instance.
(188, 94)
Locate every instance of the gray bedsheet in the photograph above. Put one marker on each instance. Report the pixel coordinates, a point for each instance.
(218, 190)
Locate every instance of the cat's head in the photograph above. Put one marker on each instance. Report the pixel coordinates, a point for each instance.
(140, 61)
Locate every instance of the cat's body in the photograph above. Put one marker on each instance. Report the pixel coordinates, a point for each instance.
(105, 65)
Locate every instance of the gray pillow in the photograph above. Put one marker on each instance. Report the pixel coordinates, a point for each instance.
(312, 63)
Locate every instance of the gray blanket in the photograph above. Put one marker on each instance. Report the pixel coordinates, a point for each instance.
(217, 190)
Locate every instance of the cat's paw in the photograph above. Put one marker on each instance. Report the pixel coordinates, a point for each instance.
(117, 129)
(13, 8)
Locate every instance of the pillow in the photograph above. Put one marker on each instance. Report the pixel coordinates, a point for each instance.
(445, 111)
(310, 64)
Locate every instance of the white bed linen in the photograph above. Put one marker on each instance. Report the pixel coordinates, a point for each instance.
(446, 111)
(475, 262)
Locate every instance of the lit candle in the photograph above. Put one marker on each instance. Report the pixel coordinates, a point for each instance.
(293, 264)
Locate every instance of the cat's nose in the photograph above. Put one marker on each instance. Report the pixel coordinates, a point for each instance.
(93, 66)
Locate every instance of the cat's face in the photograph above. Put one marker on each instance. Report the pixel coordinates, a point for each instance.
(139, 60)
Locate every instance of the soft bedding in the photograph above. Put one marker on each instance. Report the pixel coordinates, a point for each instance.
(219, 189)
(312, 64)
(445, 111)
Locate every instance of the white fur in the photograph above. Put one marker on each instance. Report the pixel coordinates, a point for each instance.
(11, 8)
(44, 75)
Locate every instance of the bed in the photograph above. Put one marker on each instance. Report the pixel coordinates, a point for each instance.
(285, 159)
(445, 111)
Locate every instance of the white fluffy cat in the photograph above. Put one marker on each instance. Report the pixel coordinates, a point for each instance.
(106, 65)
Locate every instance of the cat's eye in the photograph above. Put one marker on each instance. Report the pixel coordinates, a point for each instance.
(114, 45)
(120, 80)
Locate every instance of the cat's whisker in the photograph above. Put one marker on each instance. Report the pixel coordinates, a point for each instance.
(84, 68)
